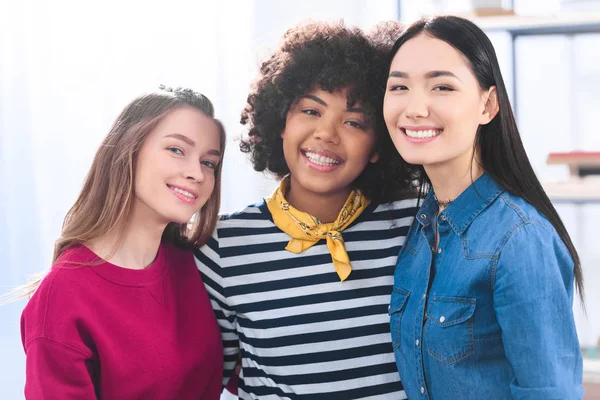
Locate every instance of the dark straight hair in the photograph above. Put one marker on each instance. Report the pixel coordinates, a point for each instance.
(503, 156)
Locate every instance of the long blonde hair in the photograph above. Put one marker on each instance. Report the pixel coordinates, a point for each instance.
(106, 199)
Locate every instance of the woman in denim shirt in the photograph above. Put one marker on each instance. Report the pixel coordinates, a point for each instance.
(483, 288)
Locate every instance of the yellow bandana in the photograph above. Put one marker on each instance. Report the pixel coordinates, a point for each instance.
(307, 230)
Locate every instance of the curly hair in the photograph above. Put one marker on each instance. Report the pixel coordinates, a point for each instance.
(330, 57)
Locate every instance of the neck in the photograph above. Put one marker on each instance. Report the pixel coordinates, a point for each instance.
(449, 180)
(133, 245)
(324, 207)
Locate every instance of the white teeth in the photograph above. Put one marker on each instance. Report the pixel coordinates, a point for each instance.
(321, 160)
(423, 134)
(183, 192)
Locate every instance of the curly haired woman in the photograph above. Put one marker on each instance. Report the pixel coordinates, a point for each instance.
(301, 281)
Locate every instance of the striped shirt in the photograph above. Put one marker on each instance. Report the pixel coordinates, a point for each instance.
(301, 332)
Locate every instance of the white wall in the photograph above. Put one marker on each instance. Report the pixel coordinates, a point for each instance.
(558, 81)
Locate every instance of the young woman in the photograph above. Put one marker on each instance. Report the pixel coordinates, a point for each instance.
(123, 313)
(301, 281)
(483, 290)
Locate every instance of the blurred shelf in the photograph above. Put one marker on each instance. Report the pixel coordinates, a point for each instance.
(585, 190)
(561, 23)
(577, 158)
(591, 370)
(553, 24)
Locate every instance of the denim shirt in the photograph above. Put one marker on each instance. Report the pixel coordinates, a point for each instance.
(487, 314)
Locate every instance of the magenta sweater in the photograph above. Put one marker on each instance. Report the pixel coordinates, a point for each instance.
(107, 332)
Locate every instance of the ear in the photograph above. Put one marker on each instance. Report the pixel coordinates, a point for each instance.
(490, 106)
(374, 158)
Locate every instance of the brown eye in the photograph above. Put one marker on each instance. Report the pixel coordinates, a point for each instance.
(311, 112)
(355, 124)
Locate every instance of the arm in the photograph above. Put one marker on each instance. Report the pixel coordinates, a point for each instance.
(533, 300)
(208, 262)
(232, 385)
(57, 371)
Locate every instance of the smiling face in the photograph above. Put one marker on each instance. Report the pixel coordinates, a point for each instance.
(175, 169)
(434, 105)
(326, 145)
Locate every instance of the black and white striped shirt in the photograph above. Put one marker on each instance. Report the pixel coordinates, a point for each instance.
(302, 333)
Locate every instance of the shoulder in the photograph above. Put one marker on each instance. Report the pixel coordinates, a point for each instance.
(532, 254)
(506, 216)
(527, 235)
(522, 211)
(252, 212)
(252, 220)
(515, 215)
(238, 229)
(70, 271)
(399, 211)
(408, 206)
(59, 297)
(383, 220)
(77, 254)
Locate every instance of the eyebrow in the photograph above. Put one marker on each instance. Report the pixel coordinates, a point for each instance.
(357, 110)
(320, 101)
(190, 142)
(183, 138)
(314, 98)
(428, 75)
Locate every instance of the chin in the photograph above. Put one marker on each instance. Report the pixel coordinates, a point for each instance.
(181, 220)
(414, 160)
(419, 159)
(177, 219)
(322, 188)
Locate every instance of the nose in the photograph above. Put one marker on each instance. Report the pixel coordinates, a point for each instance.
(194, 172)
(327, 132)
(417, 107)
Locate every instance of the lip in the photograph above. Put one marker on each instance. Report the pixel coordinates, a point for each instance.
(181, 197)
(420, 128)
(324, 153)
(187, 189)
(403, 129)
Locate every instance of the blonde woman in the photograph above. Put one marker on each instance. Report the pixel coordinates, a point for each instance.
(123, 313)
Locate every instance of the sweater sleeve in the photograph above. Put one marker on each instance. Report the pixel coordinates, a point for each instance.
(208, 262)
(57, 371)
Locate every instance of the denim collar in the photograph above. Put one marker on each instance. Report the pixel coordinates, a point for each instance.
(462, 211)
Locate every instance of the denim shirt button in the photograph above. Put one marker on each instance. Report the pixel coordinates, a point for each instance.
(443, 217)
(423, 216)
(422, 390)
(417, 342)
(442, 319)
(439, 251)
